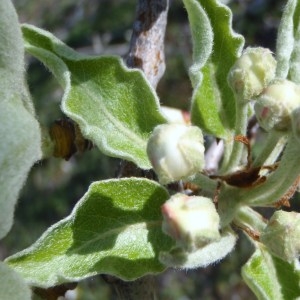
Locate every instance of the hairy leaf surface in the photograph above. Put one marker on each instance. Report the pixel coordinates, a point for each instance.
(114, 229)
(216, 47)
(12, 285)
(115, 107)
(270, 277)
(288, 43)
(19, 131)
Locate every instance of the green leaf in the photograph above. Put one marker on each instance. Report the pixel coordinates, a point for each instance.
(205, 109)
(202, 36)
(19, 131)
(12, 285)
(287, 39)
(11, 49)
(270, 277)
(217, 46)
(114, 106)
(294, 72)
(114, 229)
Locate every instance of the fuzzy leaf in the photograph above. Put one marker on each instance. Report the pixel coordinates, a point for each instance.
(205, 109)
(114, 106)
(202, 36)
(287, 39)
(114, 229)
(270, 277)
(294, 72)
(19, 130)
(213, 103)
(12, 285)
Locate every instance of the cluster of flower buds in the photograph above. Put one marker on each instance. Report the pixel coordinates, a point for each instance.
(281, 236)
(274, 107)
(192, 221)
(176, 151)
(252, 72)
(252, 77)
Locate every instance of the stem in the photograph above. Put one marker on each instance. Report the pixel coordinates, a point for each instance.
(273, 146)
(240, 129)
(279, 182)
(228, 145)
(246, 217)
(206, 183)
(272, 190)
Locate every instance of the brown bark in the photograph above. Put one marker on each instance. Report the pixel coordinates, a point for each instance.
(147, 42)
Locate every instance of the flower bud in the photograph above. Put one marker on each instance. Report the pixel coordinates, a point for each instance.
(281, 235)
(191, 220)
(275, 105)
(175, 115)
(176, 151)
(252, 72)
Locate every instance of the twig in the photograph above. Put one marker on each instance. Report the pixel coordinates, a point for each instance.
(147, 42)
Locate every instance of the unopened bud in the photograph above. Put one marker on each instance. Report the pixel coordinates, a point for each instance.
(274, 107)
(191, 220)
(176, 151)
(175, 115)
(281, 235)
(252, 72)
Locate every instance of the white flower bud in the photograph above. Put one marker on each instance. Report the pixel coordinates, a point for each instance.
(175, 115)
(275, 105)
(176, 151)
(191, 220)
(252, 72)
(281, 235)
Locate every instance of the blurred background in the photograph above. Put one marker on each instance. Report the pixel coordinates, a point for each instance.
(54, 186)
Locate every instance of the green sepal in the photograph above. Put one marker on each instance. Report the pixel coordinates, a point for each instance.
(209, 254)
